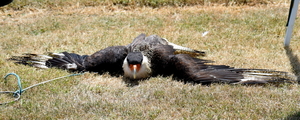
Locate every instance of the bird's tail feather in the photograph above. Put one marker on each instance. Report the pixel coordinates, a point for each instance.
(64, 60)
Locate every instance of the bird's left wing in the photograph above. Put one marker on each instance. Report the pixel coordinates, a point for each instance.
(189, 69)
(195, 70)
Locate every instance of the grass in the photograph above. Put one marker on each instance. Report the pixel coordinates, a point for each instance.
(133, 3)
(240, 36)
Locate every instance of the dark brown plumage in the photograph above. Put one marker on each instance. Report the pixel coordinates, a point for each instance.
(5, 2)
(152, 55)
(109, 60)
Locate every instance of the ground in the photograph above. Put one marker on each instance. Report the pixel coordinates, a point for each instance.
(239, 36)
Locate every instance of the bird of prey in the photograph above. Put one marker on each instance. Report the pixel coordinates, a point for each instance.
(150, 56)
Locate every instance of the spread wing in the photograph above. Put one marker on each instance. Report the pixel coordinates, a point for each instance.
(199, 71)
(196, 70)
(186, 68)
(64, 60)
(109, 60)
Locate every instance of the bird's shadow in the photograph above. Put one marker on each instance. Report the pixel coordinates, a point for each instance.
(294, 61)
(130, 83)
(295, 116)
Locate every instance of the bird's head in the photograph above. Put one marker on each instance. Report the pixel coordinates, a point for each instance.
(136, 66)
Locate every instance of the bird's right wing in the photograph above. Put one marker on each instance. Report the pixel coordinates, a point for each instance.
(109, 60)
(64, 60)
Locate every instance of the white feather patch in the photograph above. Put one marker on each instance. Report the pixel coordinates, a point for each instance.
(144, 72)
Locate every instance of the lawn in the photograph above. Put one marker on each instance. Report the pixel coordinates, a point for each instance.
(243, 36)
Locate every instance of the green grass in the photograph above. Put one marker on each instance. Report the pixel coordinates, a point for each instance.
(239, 36)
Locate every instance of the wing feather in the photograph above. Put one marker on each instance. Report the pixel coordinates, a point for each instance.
(109, 60)
(68, 61)
(197, 70)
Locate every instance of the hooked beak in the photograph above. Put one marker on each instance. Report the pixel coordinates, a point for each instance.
(134, 68)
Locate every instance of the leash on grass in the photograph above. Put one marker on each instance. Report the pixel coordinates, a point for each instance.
(17, 94)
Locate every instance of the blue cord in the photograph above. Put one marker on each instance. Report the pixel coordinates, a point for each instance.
(19, 83)
(18, 93)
